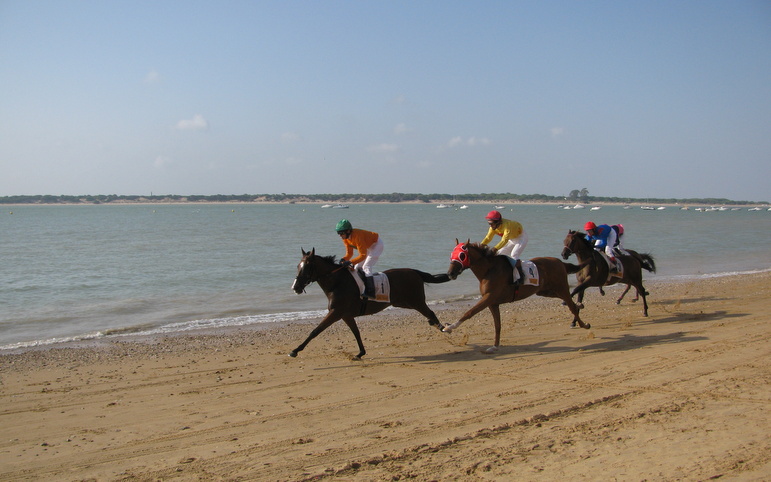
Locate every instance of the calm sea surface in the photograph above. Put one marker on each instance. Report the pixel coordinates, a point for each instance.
(82, 272)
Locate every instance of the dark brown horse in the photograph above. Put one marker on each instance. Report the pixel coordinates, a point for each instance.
(494, 273)
(345, 302)
(595, 271)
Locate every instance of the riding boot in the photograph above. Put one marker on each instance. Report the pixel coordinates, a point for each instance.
(614, 269)
(518, 267)
(369, 288)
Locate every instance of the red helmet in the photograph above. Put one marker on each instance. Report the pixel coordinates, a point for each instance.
(589, 226)
(493, 216)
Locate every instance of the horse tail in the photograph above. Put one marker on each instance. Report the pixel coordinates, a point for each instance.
(433, 278)
(647, 262)
(573, 268)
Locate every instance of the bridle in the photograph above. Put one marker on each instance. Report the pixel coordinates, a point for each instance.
(460, 256)
(306, 275)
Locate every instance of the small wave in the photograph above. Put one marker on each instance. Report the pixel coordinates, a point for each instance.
(231, 321)
(723, 274)
(52, 341)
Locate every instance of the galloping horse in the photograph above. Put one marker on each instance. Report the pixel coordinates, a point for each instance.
(345, 302)
(494, 274)
(596, 272)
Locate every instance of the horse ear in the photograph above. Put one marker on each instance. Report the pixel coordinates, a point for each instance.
(468, 241)
(457, 242)
(303, 251)
(313, 251)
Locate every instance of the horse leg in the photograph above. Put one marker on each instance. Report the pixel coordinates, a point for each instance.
(496, 312)
(641, 292)
(481, 305)
(351, 322)
(575, 308)
(325, 323)
(618, 301)
(432, 318)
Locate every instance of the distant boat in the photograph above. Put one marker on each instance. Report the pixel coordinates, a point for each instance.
(647, 208)
(627, 207)
(326, 206)
(500, 207)
(464, 207)
(579, 206)
(443, 206)
(661, 208)
(595, 208)
(754, 209)
(340, 206)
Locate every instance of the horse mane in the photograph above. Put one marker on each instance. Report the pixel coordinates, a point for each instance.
(487, 251)
(581, 236)
(329, 259)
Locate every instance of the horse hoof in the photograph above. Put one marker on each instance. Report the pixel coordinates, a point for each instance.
(491, 350)
(293, 354)
(618, 302)
(587, 326)
(573, 325)
(447, 329)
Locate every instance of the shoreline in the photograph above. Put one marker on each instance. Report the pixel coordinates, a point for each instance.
(620, 399)
(88, 341)
(96, 341)
(587, 204)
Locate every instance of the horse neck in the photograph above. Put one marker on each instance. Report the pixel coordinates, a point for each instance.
(327, 275)
(582, 250)
(481, 266)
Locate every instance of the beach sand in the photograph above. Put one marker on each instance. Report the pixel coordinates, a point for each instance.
(681, 395)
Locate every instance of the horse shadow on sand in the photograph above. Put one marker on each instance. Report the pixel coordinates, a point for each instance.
(618, 343)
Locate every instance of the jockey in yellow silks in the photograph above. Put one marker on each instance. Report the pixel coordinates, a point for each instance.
(513, 236)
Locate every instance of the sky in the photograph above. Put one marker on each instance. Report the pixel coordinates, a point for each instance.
(643, 99)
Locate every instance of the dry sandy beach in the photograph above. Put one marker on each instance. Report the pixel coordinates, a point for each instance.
(681, 395)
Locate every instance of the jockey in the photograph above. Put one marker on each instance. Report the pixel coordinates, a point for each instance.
(368, 244)
(604, 239)
(513, 236)
(619, 246)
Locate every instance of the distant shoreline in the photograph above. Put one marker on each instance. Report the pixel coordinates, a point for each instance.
(392, 198)
(587, 204)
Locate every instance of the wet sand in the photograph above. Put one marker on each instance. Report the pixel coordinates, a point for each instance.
(681, 395)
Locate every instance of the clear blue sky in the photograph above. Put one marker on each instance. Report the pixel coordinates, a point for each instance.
(624, 98)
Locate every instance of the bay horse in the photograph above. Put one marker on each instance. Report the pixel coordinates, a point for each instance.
(595, 271)
(494, 273)
(345, 302)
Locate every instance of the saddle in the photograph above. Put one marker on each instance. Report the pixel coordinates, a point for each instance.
(375, 287)
(517, 275)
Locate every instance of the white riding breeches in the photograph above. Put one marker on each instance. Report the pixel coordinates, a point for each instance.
(373, 254)
(514, 247)
(609, 245)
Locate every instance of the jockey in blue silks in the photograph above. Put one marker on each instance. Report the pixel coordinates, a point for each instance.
(604, 239)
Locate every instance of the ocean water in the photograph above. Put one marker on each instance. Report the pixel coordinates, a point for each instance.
(82, 272)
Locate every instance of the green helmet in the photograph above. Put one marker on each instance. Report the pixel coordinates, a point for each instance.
(343, 225)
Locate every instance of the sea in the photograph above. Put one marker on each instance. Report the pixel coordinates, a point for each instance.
(86, 272)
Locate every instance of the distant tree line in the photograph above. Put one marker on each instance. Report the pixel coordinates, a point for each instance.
(575, 195)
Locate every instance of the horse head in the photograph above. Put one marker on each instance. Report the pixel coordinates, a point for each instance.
(305, 271)
(459, 259)
(568, 242)
(575, 242)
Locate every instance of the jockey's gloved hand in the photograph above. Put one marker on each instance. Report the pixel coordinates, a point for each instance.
(345, 262)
